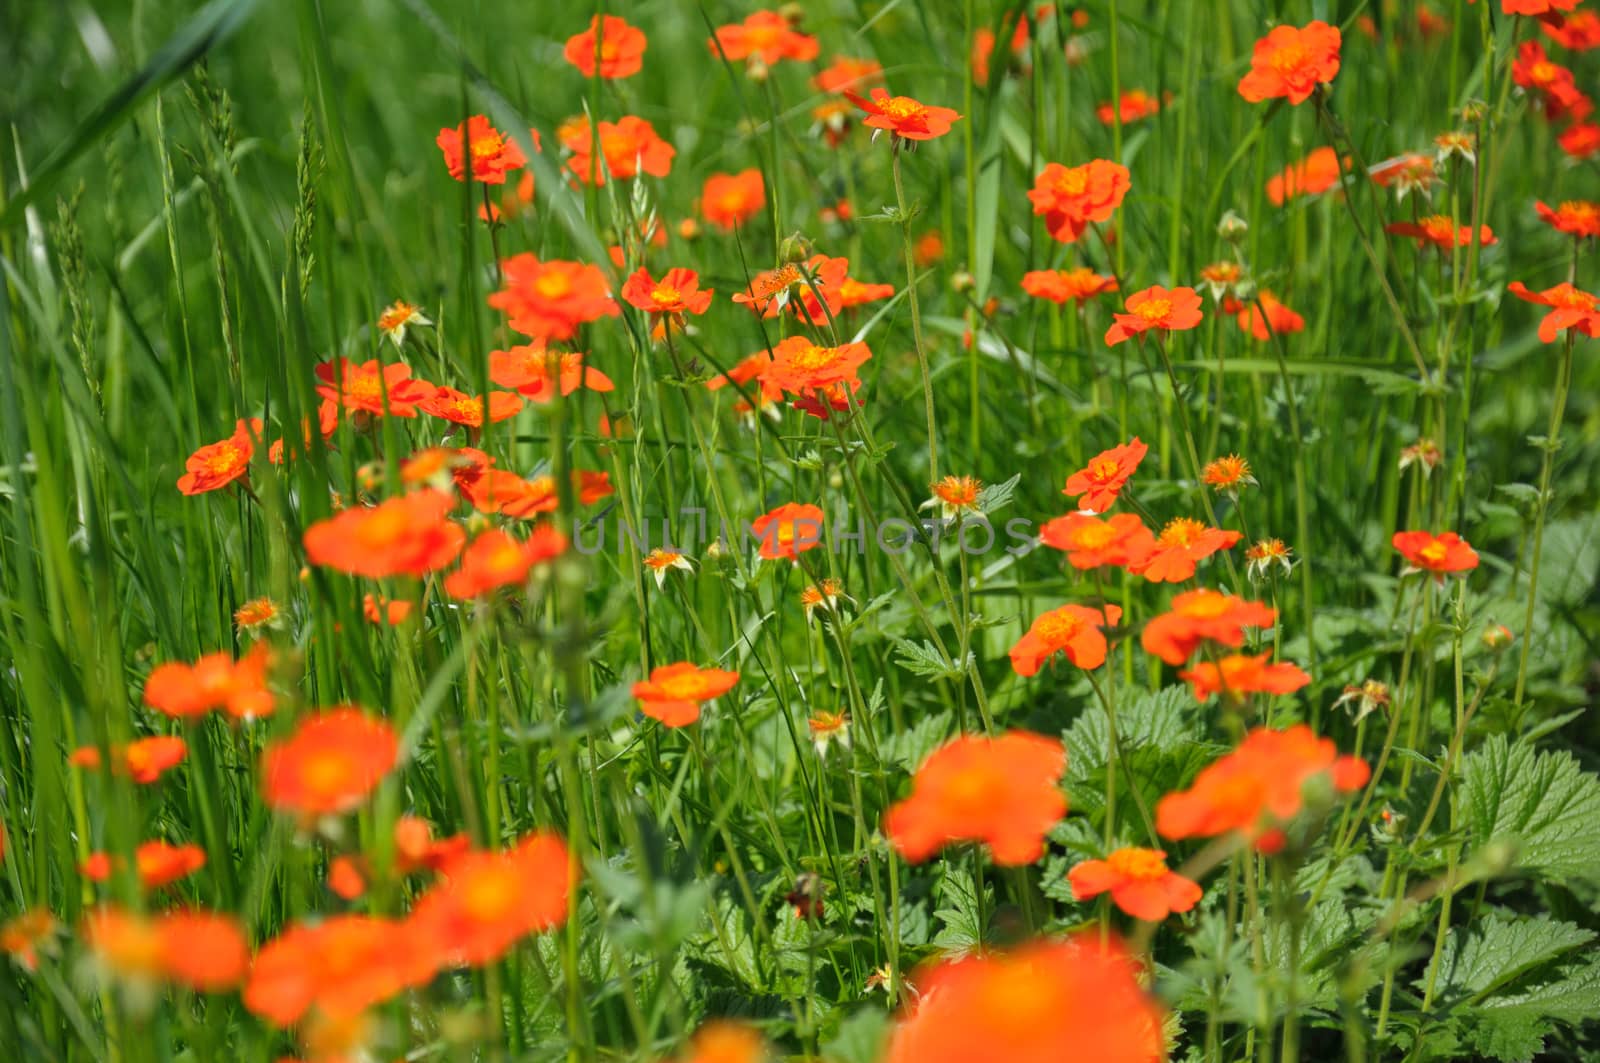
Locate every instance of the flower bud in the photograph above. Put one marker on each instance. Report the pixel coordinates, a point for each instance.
(1232, 227)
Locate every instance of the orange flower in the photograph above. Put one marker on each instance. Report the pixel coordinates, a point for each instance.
(769, 292)
(748, 369)
(1097, 485)
(1181, 544)
(1279, 320)
(1000, 791)
(1221, 277)
(508, 493)
(1257, 788)
(1070, 199)
(327, 423)
(549, 300)
(1264, 554)
(858, 293)
(1313, 175)
(215, 681)
(1534, 70)
(1089, 542)
(537, 373)
(1059, 285)
(460, 408)
(1537, 8)
(488, 901)
(1156, 308)
(846, 73)
(216, 465)
(788, 531)
(336, 968)
(400, 315)
(257, 613)
(674, 692)
(156, 862)
(678, 292)
(23, 937)
(380, 610)
(493, 153)
(204, 951)
(1439, 554)
(1201, 615)
(618, 46)
(1438, 230)
(723, 1041)
(1237, 675)
(496, 560)
(1139, 883)
(1576, 218)
(1570, 308)
(956, 496)
(1042, 1002)
(627, 146)
(1578, 32)
(330, 764)
(371, 387)
(1291, 63)
(1580, 140)
(1227, 474)
(1073, 630)
(902, 116)
(799, 366)
(824, 596)
(763, 38)
(728, 200)
(405, 536)
(143, 760)
(1133, 105)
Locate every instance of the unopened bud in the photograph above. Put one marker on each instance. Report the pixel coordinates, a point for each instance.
(1232, 227)
(962, 281)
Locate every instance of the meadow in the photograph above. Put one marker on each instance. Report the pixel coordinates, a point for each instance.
(863, 531)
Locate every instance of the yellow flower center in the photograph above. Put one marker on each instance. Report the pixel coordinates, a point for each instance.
(1154, 309)
(227, 458)
(491, 895)
(1288, 59)
(1058, 627)
(1074, 182)
(1209, 604)
(1181, 532)
(553, 285)
(1143, 864)
(1434, 553)
(901, 108)
(666, 295)
(684, 687)
(1105, 470)
(812, 358)
(1094, 536)
(488, 146)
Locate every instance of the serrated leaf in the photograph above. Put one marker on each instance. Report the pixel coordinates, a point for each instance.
(1497, 949)
(1541, 803)
(909, 748)
(924, 660)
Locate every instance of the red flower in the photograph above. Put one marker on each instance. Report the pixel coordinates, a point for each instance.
(620, 48)
(903, 116)
(763, 38)
(405, 536)
(216, 465)
(1569, 308)
(1000, 791)
(1139, 883)
(1070, 199)
(627, 146)
(800, 366)
(1291, 63)
(859, 293)
(460, 408)
(1257, 788)
(1579, 31)
(1097, 484)
(1090, 542)
(1438, 230)
(493, 154)
(1439, 554)
(1043, 1002)
(371, 388)
(336, 968)
(143, 760)
(1237, 675)
(788, 531)
(1073, 630)
(156, 862)
(215, 681)
(1134, 105)
(1576, 218)
(1315, 174)
(674, 692)
(1280, 320)
(1581, 140)
(496, 559)
(1201, 615)
(1181, 544)
(678, 292)
(1537, 8)
(538, 373)
(728, 200)
(330, 764)
(204, 951)
(488, 901)
(1156, 308)
(549, 300)
(1060, 285)
(845, 73)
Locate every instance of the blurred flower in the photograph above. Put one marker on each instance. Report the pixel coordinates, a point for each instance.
(1441, 232)
(405, 536)
(1497, 637)
(763, 39)
(204, 951)
(628, 147)
(335, 969)
(492, 153)
(1134, 104)
(1578, 32)
(618, 46)
(1090, 542)
(726, 1041)
(1424, 453)
(1581, 140)
(24, 936)
(825, 595)
(728, 200)
(143, 760)
(1182, 543)
(902, 116)
(256, 614)
(460, 408)
(156, 863)
(1576, 218)
(548, 300)
(1060, 285)
(1458, 144)
(1072, 630)
(1264, 554)
(1237, 675)
(537, 373)
(1366, 698)
(215, 681)
(1406, 174)
(1279, 319)
(495, 559)
(1227, 474)
(1311, 176)
(846, 73)
(1001, 791)
(380, 610)
(1199, 616)
(1221, 277)
(329, 765)
(397, 317)
(485, 902)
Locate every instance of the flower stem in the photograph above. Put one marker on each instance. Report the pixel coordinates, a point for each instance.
(916, 313)
(1558, 409)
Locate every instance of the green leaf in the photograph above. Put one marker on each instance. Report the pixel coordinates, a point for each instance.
(909, 748)
(924, 660)
(1571, 562)
(860, 1038)
(1164, 749)
(1492, 952)
(1540, 803)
